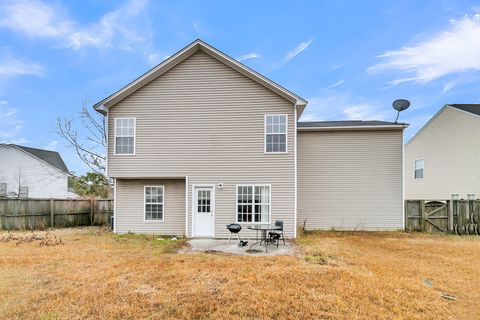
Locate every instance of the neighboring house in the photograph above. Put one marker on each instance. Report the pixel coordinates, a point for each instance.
(201, 141)
(442, 161)
(32, 173)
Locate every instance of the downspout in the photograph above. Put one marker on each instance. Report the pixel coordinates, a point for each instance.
(295, 171)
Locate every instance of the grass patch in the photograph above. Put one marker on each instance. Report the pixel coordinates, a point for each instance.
(337, 275)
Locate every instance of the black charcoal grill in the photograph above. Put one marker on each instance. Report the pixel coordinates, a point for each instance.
(234, 229)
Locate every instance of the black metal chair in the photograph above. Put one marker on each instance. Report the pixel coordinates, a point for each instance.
(277, 235)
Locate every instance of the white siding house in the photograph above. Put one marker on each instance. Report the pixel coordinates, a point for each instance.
(442, 161)
(33, 173)
(201, 141)
(350, 175)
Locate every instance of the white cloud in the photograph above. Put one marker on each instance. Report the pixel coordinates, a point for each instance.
(11, 126)
(199, 28)
(52, 145)
(296, 51)
(11, 67)
(248, 56)
(343, 107)
(336, 84)
(453, 50)
(34, 19)
(154, 58)
(364, 111)
(118, 28)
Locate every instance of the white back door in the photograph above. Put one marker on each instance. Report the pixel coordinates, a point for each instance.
(204, 212)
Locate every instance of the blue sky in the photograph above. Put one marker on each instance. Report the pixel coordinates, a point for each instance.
(349, 59)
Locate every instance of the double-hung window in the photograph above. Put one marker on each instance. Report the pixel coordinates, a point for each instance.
(124, 136)
(276, 133)
(418, 168)
(253, 203)
(154, 197)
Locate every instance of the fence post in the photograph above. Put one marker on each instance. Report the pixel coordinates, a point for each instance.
(450, 215)
(460, 216)
(2, 216)
(91, 211)
(422, 216)
(52, 214)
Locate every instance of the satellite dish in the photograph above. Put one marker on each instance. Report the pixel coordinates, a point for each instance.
(400, 105)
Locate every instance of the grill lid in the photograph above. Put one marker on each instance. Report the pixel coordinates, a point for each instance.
(234, 227)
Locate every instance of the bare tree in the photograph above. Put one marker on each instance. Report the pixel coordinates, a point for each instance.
(90, 143)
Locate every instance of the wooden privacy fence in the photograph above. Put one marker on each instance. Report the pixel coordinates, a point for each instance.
(44, 213)
(449, 216)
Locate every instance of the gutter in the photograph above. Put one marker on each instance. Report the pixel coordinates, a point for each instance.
(383, 127)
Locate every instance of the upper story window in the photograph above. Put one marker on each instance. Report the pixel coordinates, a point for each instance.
(455, 196)
(418, 169)
(470, 196)
(276, 133)
(124, 135)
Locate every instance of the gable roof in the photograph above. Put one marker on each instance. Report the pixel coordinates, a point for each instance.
(51, 157)
(349, 124)
(198, 45)
(472, 108)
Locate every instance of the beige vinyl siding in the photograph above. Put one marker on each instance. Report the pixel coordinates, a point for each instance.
(129, 207)
(450, 147)
(350, 180)
(204, 120)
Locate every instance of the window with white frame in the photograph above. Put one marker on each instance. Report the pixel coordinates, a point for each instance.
(455, 196)
(253, 203)
(276, 133)
(125, 136)
(471, 196)
(154, 203)
(418, 168)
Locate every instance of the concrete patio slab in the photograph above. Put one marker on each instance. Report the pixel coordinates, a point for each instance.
(220, 245)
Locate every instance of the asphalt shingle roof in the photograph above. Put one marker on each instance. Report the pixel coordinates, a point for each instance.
(51, 157)
(472, 108)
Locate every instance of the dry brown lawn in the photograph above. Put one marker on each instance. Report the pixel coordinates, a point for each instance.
(334, 275)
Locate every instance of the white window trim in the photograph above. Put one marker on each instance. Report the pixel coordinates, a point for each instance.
(265, 133)
(145, 204)
(474, 196)
(253, 203)
(459, 197)
(423, 176)
(194, 186)
(134, 136)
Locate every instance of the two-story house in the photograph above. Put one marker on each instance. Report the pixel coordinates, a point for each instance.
(27, 172)
(442, 161)
(201, 141)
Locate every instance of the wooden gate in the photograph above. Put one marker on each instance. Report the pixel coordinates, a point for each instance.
(456, 216)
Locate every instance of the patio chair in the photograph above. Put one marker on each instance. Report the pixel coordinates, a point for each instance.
(277, 235)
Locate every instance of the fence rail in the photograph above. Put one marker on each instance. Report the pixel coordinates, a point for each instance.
(44, 213)
(448, 216)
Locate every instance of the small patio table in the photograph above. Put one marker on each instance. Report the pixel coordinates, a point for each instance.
(264, 228)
